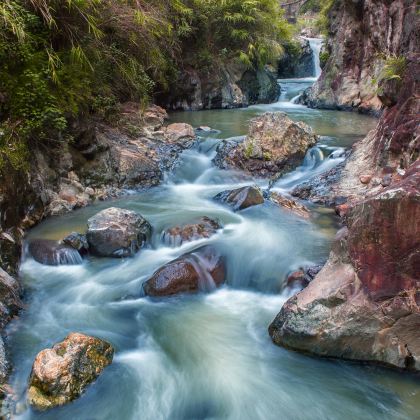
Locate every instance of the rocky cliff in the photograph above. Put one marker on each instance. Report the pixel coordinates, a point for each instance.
(228, 85)
(365, 304)
(362, 35)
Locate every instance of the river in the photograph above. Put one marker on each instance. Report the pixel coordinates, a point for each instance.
(206, 356)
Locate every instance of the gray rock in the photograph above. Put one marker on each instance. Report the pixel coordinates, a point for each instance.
(50, 252)
(117, 233)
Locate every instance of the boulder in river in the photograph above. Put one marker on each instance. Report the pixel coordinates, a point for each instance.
(364, 304)
(200, 270)
(274, 145)
(204, 228)
(117, 233)
(241, 198)
(60, 374)
(51, 252)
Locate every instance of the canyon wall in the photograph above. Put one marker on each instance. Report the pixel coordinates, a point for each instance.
(362, 33)
(365, 304)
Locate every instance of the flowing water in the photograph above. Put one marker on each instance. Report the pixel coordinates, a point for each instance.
(206, 356)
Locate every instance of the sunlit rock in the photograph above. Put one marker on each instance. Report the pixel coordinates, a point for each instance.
(60, 374)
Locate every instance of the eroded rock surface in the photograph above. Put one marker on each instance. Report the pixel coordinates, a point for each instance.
(117, 233)
(199, 271)
(60, 374)
(274, 145)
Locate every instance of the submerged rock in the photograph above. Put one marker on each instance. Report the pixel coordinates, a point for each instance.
(300, 279)
(50, 252)
(289, 204)
(204, 228)
(60, 374)
(117, 233)
(364, 304)
(241, 198)
(274, 145)
(199, 271)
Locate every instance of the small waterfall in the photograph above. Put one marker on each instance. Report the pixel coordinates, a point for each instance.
(316, 44)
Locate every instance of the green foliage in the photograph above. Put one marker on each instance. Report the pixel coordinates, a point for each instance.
(252, 31)
(60, 59)
(311, 6)
(323, 19)
(323, 58)
(393, 69)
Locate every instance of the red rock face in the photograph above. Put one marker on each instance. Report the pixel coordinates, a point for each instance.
(384, 238)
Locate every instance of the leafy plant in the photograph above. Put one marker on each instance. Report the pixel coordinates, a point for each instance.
(393, 69)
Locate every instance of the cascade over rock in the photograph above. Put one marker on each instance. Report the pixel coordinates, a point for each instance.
(201, 270)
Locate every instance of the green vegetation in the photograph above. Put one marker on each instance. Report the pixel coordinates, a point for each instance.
(393, 69)
(323, 19)
(323, 58)
(62, 59)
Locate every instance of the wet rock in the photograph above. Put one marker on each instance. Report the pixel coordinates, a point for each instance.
(274, 145)
(321, 189)
(241, 198)
(179, 131)
(117, 233)
(60, 374)
(300, 279)
(77, 241)
(199, 271)
(50, 252)
(204, 228)
(364, 304)
(205, 129)
(289, 204)
(10, 302)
